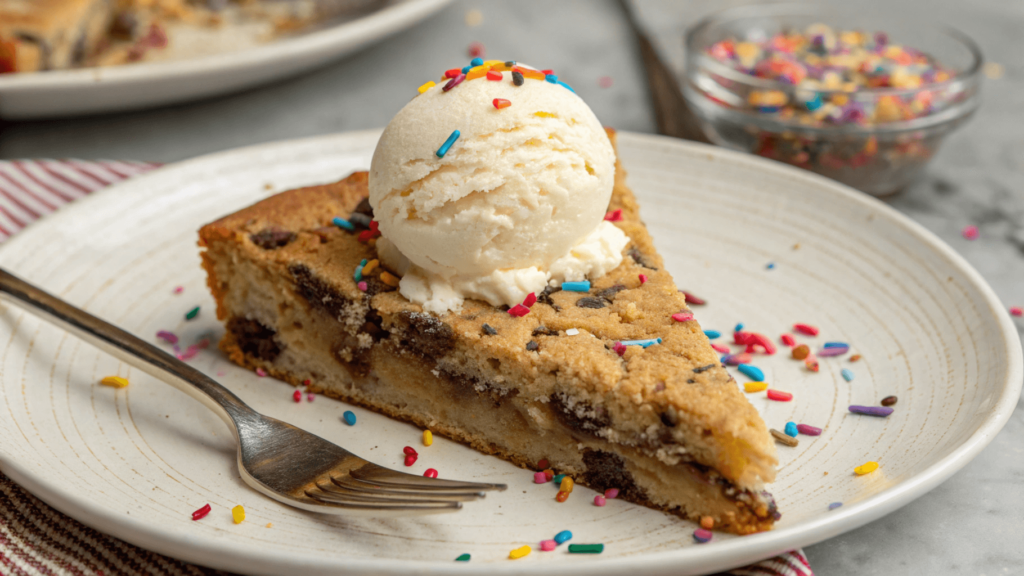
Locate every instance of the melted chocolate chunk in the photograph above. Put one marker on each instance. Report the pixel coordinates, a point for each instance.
(543, 331)
(639, 258)
(532, 346)
(670, 417)
(700, 369)
(610, 293)
(254, 339)
(590, 302)
(470, 386)
(426, 335)
(489, 330)
(318, 293)
(364, 207)
(545, 297)
(272, 238)
(581, 416)
(608, 470)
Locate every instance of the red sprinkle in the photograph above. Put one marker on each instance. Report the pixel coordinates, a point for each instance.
(614, 215)
(410, 451)
(1016, 311)
(542, 464)
(691, 299)
(811, 361)
(530, 299)
(778, 395)
(971, 232)
(500, 103)
(806, 329)
(643, 279)
(519, 310)
(682, 316)
(201, 513)
(721, 348)
(788, 340)
(452, 73)
(762, 341)
(561, 496)
(374, 225)
(297, 396)
(306, 382)
(493, 75)
(454, 82)
(367, 235)
(547, 72)
(476, 49)
(430, 473)
(619, 348)
(410, 460)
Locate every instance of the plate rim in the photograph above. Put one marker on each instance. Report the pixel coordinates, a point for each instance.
(723, 555)
(376, 24)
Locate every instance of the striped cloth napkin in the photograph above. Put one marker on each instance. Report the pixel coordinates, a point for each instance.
(35, 539)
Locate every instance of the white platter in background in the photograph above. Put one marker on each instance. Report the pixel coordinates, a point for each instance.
(136, 462)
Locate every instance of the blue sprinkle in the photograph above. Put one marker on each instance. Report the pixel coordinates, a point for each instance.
(343, 224)
(834, 505)
(350, 417)
(466, 69)
(738, 328)
(563, 536)
(770, 266)
(551, 78)
(476, 61)
(564, 85)
(358, 275)
(642, 343)
(712, 334)
(791, 429)
(448, 144)
(752, 372)
(836, 345)
(582, 286)
(814, 103)
(847, 374)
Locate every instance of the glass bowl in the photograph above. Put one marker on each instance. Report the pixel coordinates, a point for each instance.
(917, 84)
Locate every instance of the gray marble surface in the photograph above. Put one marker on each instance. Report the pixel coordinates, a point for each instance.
(973, 523)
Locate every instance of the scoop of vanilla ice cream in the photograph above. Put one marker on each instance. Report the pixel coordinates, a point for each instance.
(517, 201)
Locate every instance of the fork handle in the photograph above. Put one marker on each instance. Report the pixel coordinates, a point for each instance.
(126, 348)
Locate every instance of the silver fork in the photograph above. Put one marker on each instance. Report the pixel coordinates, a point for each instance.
(276, 458)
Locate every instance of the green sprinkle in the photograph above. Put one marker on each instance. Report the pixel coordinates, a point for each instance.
(586, 548)
(192, 313)
(463, 558)
(558, 479)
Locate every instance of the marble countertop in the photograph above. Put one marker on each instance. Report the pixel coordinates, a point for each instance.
(970, 524)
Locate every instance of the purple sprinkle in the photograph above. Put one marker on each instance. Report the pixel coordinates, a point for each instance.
(735, 359)
(834, 505)
(871, 410)
(701, 535)
(835, 351)
(454, 82)
(362, 286)
(808, 430)
(168, 337)
(261, 372)
(189, 353)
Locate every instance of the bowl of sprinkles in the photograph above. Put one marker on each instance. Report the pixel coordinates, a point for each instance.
(861, 101)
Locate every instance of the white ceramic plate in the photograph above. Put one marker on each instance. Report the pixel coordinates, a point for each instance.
(136, 462)
(131, 87)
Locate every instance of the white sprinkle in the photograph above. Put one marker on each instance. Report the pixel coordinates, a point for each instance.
(572, 332)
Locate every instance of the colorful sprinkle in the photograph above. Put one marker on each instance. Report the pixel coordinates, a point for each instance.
(836, 345)
(721, 348)
(201, 513)
(563, 537)
(358, 274)
(619, 348)
(370, 266)
(737, 359)
(519, 311)
(519, 552)
(702, 536)
(530, 300)
(430, 473)
(390, 279)
(834, 351)
(605, 81)
(310, 397)
(614, 215)
(855, 358)
(611, 493)
(755, 386)
(562, 496)
(191, 314)
(261, 372)
(581, 286)
(410, 460)
(770, 266)
(168, 337)
(691, 299)
(297, 396)
(970, 232)
(500, 103)
(586, 548)
(558, 479)
(682, 316)
(566, 485)
(454, 82)
(1016, 311)
(566, 86)
(834, 505)
(866, 468)
(881, 411)
(238, 514)
(805, 329)
(551, 78)
(643, 343)
(548, 545)
(847, 374)
(751, 371)
(738, 328)
(540, 478)
(791, 429)
(178, 289)
(349, 417)
(643, 279)
(114, 382)
(452, 73)
(448, 144)
(463, 558)
(889, 400)
(476, 62)
(410, 451)
(788, 340)
(784, 438)
(808, 430)
(599, 500)
(494, 76)
(712, 334)
(779, 396)
(363, 286)
(801, 352)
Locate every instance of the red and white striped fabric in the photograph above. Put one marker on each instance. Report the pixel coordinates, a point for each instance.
(36, 540)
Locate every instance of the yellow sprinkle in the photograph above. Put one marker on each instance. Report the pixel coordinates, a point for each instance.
(477, 72)
(544, 115)
(370, 266)
(840, 99)
(270, 524)
(371, 242)
(755, 386)
(389, 279)
(238, 513)
(566, 485)
(867, 468)
(426, 87)
(489, 63)
(428, 437)
(519, 552)
(114, 382)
